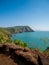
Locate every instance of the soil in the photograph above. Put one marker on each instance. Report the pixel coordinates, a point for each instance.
(6, 60)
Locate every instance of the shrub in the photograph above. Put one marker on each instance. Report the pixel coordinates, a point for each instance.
(46, 51)
(18, 42)
(2, 39)
(38, 49)
(9, 40)
(25, 45)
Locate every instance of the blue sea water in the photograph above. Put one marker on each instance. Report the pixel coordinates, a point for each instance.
(38, 39)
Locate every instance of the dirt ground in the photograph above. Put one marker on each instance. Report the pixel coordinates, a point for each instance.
(6, 60)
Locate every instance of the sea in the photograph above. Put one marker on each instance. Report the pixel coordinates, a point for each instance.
(36, 40)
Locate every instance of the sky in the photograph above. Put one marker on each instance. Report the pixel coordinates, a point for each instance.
(34, 13)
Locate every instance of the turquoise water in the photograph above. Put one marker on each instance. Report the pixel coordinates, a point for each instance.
(34, 39)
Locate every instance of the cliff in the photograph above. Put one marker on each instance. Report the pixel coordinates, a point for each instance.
(17, 29)
(12, 54)
(20, 29)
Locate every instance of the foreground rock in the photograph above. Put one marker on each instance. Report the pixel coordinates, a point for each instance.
(22, 56)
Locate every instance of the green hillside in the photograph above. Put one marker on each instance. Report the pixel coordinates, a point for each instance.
(17, 29)
(5, 33)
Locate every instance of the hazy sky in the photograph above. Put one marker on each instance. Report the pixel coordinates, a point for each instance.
(34, 13)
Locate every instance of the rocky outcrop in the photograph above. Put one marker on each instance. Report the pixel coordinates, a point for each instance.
(24, 55)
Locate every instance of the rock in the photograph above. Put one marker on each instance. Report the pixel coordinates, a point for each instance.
(25, 55)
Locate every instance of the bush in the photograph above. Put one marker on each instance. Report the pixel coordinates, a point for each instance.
(25, 45)
(46, 51)
(9, 40)
(18, 42)
(2, 39)
(38, 49)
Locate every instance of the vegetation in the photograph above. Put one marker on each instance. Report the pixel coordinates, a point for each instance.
(18, 42)
(4, 36)
(10, 40)
(38, 49)
(47, 51)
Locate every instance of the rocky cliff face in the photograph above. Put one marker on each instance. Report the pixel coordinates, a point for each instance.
(19, 29)
(21, 56)
(16, 29)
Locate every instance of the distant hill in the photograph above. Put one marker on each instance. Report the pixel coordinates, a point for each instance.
(17, 29)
